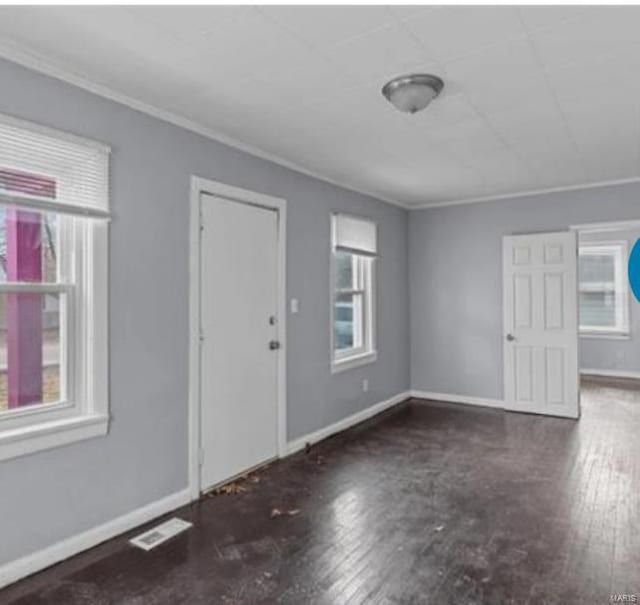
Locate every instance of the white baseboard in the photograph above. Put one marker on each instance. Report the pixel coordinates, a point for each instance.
(466, 399)
(37, 561)
(300, 443)
(25, 566)
(611, 373)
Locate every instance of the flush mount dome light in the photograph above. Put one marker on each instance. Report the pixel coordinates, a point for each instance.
(413, 92)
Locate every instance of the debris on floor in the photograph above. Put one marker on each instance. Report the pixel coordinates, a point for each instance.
(308, 450)
(277, 512)
(239, 486)
(439, 528)
(235, 487)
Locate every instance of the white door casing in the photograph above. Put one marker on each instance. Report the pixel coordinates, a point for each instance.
(239, 318)
(540, 309)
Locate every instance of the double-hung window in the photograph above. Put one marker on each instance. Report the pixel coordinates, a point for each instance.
(53, 288)
(602, 285)
(354, 250)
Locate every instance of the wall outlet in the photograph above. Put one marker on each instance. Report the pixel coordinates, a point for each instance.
(294, 306)
(365, 384)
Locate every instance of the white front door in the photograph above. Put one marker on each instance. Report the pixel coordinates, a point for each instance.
(238, 315)
(541, 324)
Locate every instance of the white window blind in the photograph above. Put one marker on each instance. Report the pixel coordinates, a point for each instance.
(51, 170)
(355, 235)
(603, 295)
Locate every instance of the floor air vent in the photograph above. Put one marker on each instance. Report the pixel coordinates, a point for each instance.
(161, 533)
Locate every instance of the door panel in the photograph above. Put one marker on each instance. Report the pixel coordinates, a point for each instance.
(553, 254)
(555, 375)
(541, 324)
(553, 301)
(238, 310)
(522, 255)
(522, 300)
(524, 374)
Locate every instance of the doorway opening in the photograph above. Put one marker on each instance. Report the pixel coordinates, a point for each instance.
(609, 315)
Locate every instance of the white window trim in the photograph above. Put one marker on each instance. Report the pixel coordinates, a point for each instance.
(355, 361)
(352, 358)
(86, 414)
(621, 331)
(608, 335)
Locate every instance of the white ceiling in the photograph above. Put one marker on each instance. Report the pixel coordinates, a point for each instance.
(535, 97)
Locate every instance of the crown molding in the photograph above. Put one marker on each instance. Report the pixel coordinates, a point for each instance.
(528, 193)
(606, 226)
(36, 62)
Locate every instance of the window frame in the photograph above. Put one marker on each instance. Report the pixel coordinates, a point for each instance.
(619, 251)
(86, 412)
(23, 416)
(365, 268)
(83, 280)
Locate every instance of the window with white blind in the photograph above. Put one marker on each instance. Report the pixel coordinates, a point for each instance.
(353, 259)
(54, 211)
(603, 294)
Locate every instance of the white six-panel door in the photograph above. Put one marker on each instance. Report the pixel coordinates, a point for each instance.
(541, 324)
(239, 320)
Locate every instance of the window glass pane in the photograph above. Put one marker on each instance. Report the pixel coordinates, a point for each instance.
(598, 309)
(599, 298)
(344, 271)
(29, 248)
(30, 351)
(343, 322)
(347, 323)
(28, 183)
(597, 268)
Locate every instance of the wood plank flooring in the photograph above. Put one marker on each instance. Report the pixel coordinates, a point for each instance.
(430, 503)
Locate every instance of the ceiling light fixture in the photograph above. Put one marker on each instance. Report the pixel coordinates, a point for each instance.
(413, 92)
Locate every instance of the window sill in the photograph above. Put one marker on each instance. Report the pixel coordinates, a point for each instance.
(606, 335)
(353, 362)
(47, 435)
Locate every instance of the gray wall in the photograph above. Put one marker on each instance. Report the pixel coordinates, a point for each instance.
(52, 495)
(612, 354)
(455, 279)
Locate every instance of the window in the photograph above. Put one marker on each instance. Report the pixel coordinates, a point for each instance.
(354, 250)
(53, 287)
(603, 295)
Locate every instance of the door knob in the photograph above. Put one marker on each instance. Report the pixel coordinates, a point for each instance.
(274, 345)
(510, 337)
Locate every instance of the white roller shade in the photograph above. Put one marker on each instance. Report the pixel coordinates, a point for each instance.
(52, 170)
(356, 235)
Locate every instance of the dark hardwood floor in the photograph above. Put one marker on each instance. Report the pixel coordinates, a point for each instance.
(430, 503)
